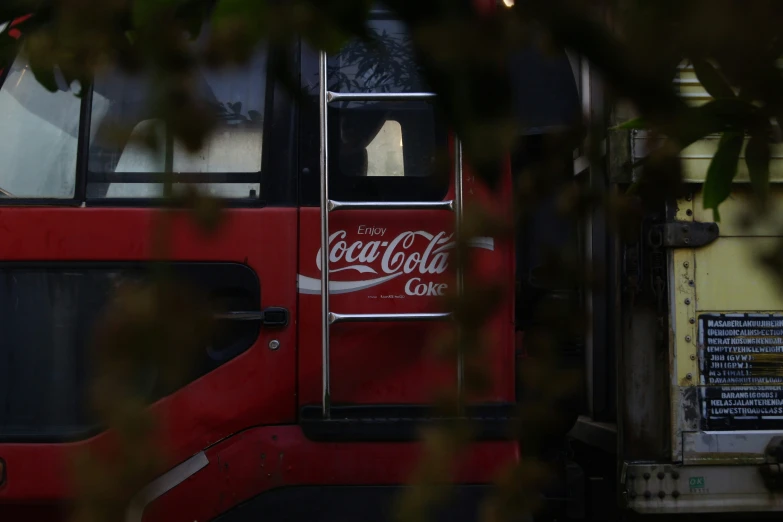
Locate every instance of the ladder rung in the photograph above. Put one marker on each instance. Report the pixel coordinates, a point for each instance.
(377, 96)
(386, 318)
(391, 205)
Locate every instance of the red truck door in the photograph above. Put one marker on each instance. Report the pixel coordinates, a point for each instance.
(389, 246)
(77, 215)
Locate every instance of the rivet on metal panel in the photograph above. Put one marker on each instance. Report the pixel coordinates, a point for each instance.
(675, 493)
(686, 264)
(690, 283)
(647, 495)
(689, 376)
(675, 475)
(646, 476)
(687, 301)
(692, 320)
(689, 212)
(693, 357)
(687, 338)
(661, 494)
(661, 475)
(274, 344)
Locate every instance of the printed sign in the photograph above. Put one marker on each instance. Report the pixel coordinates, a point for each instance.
(742, 371)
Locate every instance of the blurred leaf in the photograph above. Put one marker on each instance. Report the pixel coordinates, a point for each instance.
(144, 12)
(757, 155)
(712, 80)
(723, 168)
(10, 10)
(194, 13)
(9, 47)
(636, 123)
(45, 76)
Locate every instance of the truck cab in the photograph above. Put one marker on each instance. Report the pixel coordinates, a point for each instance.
(308, 404)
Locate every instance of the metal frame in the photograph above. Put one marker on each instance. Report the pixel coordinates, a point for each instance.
(327, 205)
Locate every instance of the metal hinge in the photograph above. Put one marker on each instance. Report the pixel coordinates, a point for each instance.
(683, 234)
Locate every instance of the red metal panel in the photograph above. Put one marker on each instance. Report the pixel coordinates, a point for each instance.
(397, 262)
(256, 388)
(262, 459)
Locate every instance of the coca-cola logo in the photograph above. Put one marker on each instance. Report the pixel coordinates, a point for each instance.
(397, 255)
(414, 252)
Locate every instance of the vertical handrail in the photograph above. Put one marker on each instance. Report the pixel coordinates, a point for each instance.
(460, 281)
(325, 355)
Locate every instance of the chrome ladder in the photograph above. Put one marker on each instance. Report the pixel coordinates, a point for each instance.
(327, 205)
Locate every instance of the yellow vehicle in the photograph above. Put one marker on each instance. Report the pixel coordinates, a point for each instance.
(691, 332)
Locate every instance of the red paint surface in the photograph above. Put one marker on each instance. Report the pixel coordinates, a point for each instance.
(263, 459)
(256, 388)
(395, 363)
(222, 411)
(371, 363)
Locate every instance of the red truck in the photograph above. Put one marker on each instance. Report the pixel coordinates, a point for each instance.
(309, 405)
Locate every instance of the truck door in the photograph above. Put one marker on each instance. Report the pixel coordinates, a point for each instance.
(390, 241)
(726, 338)
(77, 216)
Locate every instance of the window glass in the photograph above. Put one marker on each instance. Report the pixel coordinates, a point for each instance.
(367, 137)
(49, 316)
(120, 162)
(388, 66)
(38, 136)
(385, 151)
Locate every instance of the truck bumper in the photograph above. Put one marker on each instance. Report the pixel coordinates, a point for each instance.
(672, 489)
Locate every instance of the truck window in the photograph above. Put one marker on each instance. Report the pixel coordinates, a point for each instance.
(50, 311)
(379, 150)
(121, 165)
(38, 136)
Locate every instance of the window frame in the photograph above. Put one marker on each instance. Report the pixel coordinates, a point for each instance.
(278, 161)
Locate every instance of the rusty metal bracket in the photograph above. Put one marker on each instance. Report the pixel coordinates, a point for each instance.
(683, 234)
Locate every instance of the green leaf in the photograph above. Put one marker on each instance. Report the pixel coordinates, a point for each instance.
(712, 80)
(757, 155)
(636, 123)
(723, 168)
(716, 116)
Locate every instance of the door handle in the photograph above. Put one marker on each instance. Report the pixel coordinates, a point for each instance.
(239, 316)
(273, 317)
